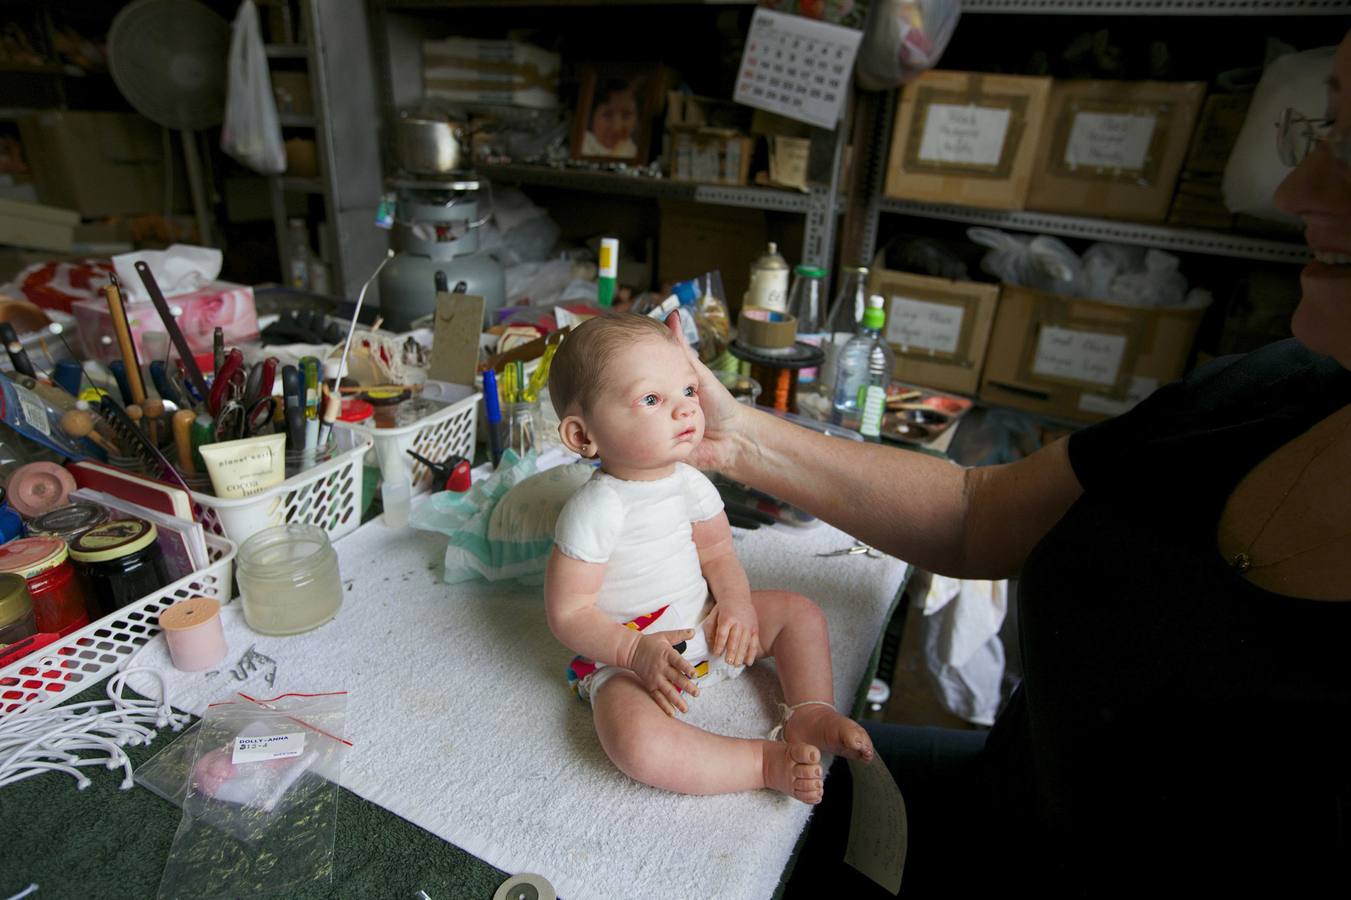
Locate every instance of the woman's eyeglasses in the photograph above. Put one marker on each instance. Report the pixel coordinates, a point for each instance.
(1297, 135)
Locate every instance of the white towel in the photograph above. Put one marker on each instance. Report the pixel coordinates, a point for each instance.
(464, 725)
(962, 649)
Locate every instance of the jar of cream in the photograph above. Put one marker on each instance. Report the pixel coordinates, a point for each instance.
(288, 579)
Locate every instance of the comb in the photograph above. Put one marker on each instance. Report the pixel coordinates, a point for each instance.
(129, 436)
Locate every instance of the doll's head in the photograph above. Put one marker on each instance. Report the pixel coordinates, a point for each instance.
(625, 391)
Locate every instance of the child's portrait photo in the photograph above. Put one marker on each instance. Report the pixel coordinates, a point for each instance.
(614, 113)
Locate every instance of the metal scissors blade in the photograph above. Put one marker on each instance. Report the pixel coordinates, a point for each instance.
(854, 551)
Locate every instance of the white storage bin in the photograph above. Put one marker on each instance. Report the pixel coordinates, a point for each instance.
(439, 435)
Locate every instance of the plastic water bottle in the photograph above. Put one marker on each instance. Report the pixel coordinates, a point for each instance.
(844, 321)
(862, 374)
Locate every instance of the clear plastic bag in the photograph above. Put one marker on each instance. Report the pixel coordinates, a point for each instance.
(251, 132)
(1041, 263)
(258, 784)
(902, 39)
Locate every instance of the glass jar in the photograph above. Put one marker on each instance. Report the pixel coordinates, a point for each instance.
(70, 521)
(845, 319)
(288, 579)
(525, 424)
(16, 610)
(59, 599)
(121, 562)
(807, 303)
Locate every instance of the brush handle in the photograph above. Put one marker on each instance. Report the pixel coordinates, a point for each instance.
(175, 333)
(125, 345)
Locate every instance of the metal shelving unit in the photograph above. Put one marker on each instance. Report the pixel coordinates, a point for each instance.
(1159, 7)
(1183, 240)
(337, 54)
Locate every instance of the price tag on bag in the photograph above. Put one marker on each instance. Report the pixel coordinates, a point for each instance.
(265, 747)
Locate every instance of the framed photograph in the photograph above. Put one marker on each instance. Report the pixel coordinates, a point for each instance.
(616, 106)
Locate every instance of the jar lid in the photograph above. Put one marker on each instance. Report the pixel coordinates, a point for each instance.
(32, 555)
(810, 271)
(355, 410)
(14, 600)
(384, 397)
(113, 540)
(37, 487)
(69, 520)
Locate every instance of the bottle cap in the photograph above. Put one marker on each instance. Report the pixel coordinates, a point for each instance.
(14, 600)
(874, 317)
(809, 271)
(31, 556)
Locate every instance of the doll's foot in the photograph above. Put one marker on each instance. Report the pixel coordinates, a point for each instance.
(795, 770)
(823, 727)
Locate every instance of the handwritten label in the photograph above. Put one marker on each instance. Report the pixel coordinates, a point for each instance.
(1107, 141)
(936, 327)
(970, 135)
(797, 67)
(1088, 356)
(878, 833)
(267, 746)
(34, 410)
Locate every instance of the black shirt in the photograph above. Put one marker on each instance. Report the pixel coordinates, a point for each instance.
(1176, 723)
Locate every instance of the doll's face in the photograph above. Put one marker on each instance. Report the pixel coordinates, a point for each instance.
(646, 417)
(614, 119)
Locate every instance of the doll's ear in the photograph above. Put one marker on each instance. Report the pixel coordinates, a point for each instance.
(572, 431)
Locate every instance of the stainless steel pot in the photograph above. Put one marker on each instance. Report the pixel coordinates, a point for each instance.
(429, 146)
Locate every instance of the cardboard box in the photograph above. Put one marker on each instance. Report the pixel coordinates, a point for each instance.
(938, 328)
(505, 73)
(97, 163)
(966, 138)
(36, 227)
(220, 303)
(1071, 358)
(291, 90)
(1113, 149)
(695, 238)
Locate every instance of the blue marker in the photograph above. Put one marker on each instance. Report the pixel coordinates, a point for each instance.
(494, 411)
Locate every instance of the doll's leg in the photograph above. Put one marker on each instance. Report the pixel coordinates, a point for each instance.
(793, 631)
(651, 747)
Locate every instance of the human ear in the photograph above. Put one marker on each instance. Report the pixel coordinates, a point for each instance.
(572, 431)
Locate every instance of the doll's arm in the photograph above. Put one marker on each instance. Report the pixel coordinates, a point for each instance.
(733, 628)
(570, 591)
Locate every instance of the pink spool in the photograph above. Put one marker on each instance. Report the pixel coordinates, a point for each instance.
(194, 633)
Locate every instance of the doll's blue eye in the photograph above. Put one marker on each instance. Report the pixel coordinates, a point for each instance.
(689, 391)
(650, 400)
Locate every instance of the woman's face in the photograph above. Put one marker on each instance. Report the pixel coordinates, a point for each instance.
(613, 121)
(1319, 192)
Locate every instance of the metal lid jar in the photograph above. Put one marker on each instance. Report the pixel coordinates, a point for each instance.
(16, 610)
(121, 561)
(59, 601)
(288, 579)
(70, 521)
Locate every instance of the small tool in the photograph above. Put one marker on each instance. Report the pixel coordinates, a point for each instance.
(332, 409)
(257, 417)
(185, 356)
(18, 356)
(130, 437)
(493, 413)
(855, 550)
(79, 423)
(182, 425)
(119, 370)
(295, 428)
(203, 432)
(125, 345)
(309, 367)
(225, 388)
(218, 348)
(154, 412)
(451, 475)
(159, 375)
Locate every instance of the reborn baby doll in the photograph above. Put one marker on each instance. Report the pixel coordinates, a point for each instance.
(644, 583)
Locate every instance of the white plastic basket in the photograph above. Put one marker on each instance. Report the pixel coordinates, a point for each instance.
(437, 436)
(62, 669)
(328, 495)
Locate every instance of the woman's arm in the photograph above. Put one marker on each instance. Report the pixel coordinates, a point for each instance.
(967, 523)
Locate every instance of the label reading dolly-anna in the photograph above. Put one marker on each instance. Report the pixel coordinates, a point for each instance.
(265, 747)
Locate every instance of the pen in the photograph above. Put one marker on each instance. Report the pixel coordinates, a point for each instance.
(493, 410)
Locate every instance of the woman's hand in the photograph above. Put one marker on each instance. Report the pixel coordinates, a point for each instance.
(723, 415)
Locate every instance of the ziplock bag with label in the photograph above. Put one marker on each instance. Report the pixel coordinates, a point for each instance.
(259, 791)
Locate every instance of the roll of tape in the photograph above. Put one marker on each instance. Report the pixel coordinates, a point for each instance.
(194, 633)
(766, 329)
(525, 887)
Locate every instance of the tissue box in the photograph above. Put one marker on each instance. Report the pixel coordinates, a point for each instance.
(220, 303)
(1078, 359)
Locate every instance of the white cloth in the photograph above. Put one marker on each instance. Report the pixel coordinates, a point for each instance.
(641, 531)
(962, 649)
(591, 146)
(461, 724)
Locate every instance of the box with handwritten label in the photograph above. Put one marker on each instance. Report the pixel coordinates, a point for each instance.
(1077, 359)
(1113, 149)
(966, 138)
(938, 328)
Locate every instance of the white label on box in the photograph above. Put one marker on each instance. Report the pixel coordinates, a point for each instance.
(1088, 356)
(1140, 388)
(969, 135)
(1106, 141)
(878, 829)
(34, 410)
(267, 746)
(797, 67)
(936, 327)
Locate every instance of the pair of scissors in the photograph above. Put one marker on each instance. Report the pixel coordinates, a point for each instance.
(854, 551)
(229, 383)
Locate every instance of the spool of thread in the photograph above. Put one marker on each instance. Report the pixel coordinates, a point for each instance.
(766, 330)
(194, 633)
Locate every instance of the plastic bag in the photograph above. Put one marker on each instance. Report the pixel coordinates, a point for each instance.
(1041, 263)
(258, 784)
(251, 132)
(902, 39)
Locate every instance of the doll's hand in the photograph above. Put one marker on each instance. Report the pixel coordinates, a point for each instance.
(663, 670)
(734, 629)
